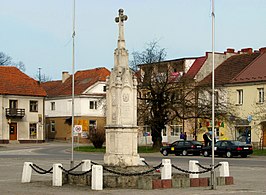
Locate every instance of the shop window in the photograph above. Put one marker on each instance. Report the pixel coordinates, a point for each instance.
(33, 131)
(52, 126)
(93, 126)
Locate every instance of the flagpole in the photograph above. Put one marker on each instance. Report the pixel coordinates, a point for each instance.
(213, 186)
(73, 87)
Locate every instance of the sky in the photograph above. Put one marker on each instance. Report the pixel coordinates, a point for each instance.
(39, 32)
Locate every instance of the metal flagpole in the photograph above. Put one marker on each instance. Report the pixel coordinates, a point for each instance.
(213, 94)
(73, 87)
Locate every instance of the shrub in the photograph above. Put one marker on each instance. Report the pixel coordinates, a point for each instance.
(97, 138)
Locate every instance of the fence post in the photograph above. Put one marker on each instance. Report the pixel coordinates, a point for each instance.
(224, 169)
(141, 161)
(166, 172)
(26, 173)
(194, 168)
(97, 177)
(57, 174)
(86, 165)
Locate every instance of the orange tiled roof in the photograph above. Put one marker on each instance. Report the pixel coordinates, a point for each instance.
(15, 82)
(230, 68)
(83, 80)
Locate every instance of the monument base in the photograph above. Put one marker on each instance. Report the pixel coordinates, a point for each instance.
(121, 146)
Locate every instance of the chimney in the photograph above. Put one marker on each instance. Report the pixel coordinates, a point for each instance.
(246, 50)
(230, 50)
(263, 50)
(65, 76)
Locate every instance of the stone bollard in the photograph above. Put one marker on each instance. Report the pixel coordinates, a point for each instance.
(86, 165)
(224, 169)
(194, 168)
(57, 175)
(97, 177)
(166, 170)
(26, 173)
(141, 161)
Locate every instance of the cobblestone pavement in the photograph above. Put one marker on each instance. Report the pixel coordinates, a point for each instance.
(248, 180)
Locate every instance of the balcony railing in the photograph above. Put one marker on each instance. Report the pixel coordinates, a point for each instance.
(15, 112)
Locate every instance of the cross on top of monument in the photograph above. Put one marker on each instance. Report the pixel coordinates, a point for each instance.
(121, 17)
(120, 20)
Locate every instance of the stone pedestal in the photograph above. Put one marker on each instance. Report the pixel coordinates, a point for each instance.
(121, 146)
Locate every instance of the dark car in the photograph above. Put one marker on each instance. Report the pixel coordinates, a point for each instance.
(182, 147)
(229, 148)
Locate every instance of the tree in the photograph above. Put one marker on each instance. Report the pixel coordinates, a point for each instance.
(166, 93)
(6, 60)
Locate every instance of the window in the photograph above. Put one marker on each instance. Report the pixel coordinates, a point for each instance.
(93, 105)
(52, 105)
(13, 103)
(239, 96)
(33, 106)
(176, 130)
(33, 131)
(104, 88)
(93, 126)
(260, 95)
(52, 126)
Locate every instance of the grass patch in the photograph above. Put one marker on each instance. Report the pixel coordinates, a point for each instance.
(141, 149)
(258, 152)
(89, 149)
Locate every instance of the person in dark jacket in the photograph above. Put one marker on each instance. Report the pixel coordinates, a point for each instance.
(207, 139)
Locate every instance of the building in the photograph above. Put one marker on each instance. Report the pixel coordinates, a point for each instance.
(89, 103)
(22, 107)
(240, 83)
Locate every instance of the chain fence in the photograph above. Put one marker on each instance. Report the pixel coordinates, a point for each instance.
(40, 170)
(206, 169)
(43, 171)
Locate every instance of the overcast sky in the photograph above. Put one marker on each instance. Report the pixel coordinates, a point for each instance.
(38, 32)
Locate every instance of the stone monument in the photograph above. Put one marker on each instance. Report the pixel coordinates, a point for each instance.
(121, 115)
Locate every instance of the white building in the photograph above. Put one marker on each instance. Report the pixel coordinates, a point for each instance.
(22, 113)
(89, 103)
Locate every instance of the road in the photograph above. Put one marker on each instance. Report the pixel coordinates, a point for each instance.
(249, 173)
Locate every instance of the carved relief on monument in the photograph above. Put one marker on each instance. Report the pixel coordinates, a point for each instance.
(125, 97)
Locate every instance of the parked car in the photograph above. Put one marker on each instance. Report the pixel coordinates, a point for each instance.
(228, 148)
(182, 147)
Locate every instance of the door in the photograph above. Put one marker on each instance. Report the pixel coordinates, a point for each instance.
(13, 131)
(264, 137)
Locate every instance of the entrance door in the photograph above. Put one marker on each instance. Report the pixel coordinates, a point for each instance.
(13, 131)
(264, 138)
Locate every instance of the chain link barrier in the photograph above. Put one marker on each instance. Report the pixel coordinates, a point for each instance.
(133, 174)
(206, 169)
(40, 170)
(75, 174)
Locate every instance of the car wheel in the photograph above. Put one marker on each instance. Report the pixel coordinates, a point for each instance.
(205, 153)
(184, 153)
(228, 154)
(243, 155)
(165, 153)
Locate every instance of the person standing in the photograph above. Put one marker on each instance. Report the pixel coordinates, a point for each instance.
(185, 136)
(206, 139)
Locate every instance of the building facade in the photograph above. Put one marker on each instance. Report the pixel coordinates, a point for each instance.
(22, 103)
(89, 104)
